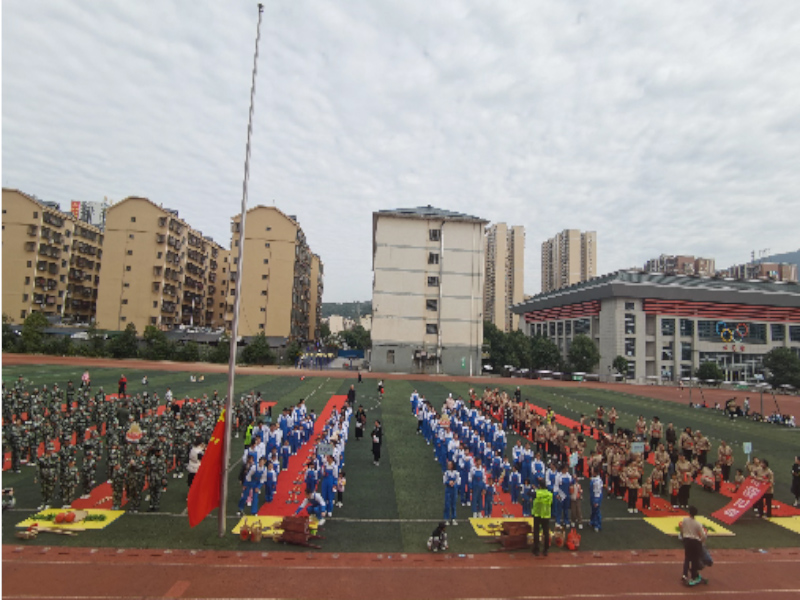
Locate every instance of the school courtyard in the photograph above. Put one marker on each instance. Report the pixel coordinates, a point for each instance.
(378, 537)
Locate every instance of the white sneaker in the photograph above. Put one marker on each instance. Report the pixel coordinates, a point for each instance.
(580, 525)
(453, 522)
(474, 515)
(321, 522)
(635, 510)
(630, 510)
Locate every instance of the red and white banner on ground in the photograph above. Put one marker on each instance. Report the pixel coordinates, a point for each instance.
(750, 493)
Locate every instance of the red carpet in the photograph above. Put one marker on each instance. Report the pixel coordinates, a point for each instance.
(660, 507)
(291, 479)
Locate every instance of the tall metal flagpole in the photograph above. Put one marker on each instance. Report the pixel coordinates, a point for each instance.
(226, 451)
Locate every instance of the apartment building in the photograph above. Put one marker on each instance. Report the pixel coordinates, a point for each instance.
(51, 261)
(156, 269)
(315, 299)
(568, 258)
(505, 268)
(681, 264)
(427, 293)
(277, 287)
(764, 270)
(667, 325)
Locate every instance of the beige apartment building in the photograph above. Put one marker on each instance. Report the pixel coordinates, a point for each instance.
(51, 261)
(157, 270)
(568, 258)
(505, 269)
(427, 293)
(681, 264)
(280, 278)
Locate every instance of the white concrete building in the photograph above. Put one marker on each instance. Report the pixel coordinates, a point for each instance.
(427, 291)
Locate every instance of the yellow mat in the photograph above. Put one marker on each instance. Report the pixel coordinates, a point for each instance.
(110, 517)
(790, 523)
(669, 525)
(269, 525)
(492, 527)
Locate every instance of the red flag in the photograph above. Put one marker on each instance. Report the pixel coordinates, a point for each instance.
(749, 493)
(205, 491)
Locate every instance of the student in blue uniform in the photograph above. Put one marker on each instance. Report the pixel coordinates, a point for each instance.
(311, 477)
(270, 482)
(527, 495)
(330, 476)
(515, 485)
(253, 481)
(478, 482)
(285, 454)
(314, 505)
(488, 497)
(451, 481)
(506, 475)
(596, 498)
(564, 481)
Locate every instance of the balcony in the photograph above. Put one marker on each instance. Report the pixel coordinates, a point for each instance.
(160, 238)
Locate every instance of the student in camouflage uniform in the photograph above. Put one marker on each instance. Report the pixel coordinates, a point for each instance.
(117, 486)
(48, 476)
(88, 473)
(69, 484)
(14, 438)
(156, 477)
(114, 458)
(134, 479)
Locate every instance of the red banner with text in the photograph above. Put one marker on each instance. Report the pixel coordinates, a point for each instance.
(750, 493)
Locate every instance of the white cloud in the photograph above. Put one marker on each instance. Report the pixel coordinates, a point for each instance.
(665, 128)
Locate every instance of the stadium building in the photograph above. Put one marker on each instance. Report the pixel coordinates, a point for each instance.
(667, 325)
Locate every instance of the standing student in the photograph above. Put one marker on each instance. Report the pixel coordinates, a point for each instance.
(542, 504)
(330, 476)
(796, 480)
(452, 481)
(340, 485)
(765, 474)
(693, 537)
(488, 497)
(361, 421)
(377, 440)
(596, 498)
(576, 511)
(477, 480)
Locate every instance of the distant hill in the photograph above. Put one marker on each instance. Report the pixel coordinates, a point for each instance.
(786, 257)
(346, 309)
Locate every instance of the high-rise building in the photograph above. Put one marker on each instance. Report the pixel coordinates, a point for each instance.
(427, 291)
(570, 257)
(282, 287)
(156, 269)
(764, 270)
(505, 268)
(93, 213)
(51, 261)
(681, 265)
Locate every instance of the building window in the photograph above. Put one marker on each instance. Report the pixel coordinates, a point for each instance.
(432, 328)
(123, 318)
(707, 330)
(432, 305)
(687, 327)
(30, 264)
(269, 229)
(630, 346)
(124, 300)
(24, 297)
(35, 214)
(263, 292)
(128, 268)
(630, 324)
(433, 258)
(560, 328)
(630, 306)
(155, 303)
(434, 235)
(568, 327)
(263, 309)
(582, 326)
(778, 331)
(153, 321)
(266, 261)
(667, 352)
(631, 374)
(261, 326)
(794, 333)
(23, 313)
(433, 281)
(62, 278)
(390, 357)
(130, 252)
(126, 284)
(668, 327)
(159, 255)
(263, 277)
(686, 351)
(133, 219)
(130, 236)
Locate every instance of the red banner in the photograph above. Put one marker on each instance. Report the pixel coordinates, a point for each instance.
(204, 494)
(75, 207)
(750, 492)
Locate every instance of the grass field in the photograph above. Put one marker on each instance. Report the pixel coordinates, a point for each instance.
(394, 507)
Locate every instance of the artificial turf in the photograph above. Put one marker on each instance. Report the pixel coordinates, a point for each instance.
(394, 507)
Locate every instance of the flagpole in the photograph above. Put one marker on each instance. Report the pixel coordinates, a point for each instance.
(226, 448)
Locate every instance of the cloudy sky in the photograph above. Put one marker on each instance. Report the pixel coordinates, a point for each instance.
(669, 127)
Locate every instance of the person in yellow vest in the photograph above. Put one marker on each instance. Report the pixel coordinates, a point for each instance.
(541, 517)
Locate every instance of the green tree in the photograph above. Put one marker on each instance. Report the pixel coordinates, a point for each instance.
(357, 338)
(293, 353)
(496, 342)
(324, 331)
(545, 354)
(620, 365)
(156, 345)
(96, 344)
(784, 367)
(9, 337)
(58, 345)
(125, 345)
(710, 370)
(257, 351)
(33, 332)
(188, 352)
(583, 354)
(221, 353)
